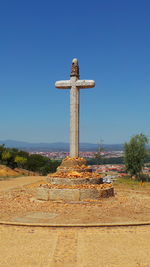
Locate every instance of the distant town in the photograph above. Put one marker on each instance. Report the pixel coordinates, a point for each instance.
(85, 154)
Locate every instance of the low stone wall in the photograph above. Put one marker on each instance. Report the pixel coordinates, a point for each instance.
(73, 194)
(74, 181)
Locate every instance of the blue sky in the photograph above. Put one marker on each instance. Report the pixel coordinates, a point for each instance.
(39, 39)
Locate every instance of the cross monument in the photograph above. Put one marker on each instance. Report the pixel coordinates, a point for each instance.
(75, 84)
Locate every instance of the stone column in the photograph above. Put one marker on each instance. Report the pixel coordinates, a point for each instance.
(74, 118)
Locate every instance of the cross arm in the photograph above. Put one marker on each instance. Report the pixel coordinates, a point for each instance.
(63, 84)
(85, 83)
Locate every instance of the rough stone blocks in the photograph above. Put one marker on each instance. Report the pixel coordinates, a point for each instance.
(74, 181)
(42, 193)
(89, 194)
(73, 194)
(64, 194)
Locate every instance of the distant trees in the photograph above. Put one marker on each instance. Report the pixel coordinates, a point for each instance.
(41, 164)
(6, 155)
(13, 158)
(2, 148)
(98, 158)
(135, 154)
(21, 161)
(102, 160)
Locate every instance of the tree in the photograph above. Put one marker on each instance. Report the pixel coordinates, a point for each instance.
(41, 164)
(6, 155)
(2, 148)
(23, 154)
(21, 161)
(98, 158)
(135, 153)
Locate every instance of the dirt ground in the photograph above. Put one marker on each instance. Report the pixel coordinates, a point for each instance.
(74, 247)
(22, 246)
(128, 205)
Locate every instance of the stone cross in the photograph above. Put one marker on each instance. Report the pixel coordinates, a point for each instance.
(75, 85)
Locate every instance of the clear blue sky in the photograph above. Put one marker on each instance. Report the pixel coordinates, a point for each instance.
(39, 39)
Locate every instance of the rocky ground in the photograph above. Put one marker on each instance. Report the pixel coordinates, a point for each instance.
(128, 205)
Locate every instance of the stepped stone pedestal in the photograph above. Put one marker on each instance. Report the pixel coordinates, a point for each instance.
(74, 181)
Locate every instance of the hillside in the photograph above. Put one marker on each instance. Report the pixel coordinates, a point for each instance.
(6, 172)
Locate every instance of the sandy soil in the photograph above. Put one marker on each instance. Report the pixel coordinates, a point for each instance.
(75, 247)
(20, 182)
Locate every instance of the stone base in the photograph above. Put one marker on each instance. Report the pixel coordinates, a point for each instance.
(75, 194)
(74, 164)
(73, 181)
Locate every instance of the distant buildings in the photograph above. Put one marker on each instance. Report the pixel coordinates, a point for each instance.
(86, 154)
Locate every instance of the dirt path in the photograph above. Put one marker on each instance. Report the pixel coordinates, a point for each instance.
(19, 182)
(74, 247)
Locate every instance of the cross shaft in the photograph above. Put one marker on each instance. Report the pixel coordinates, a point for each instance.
(75, 85)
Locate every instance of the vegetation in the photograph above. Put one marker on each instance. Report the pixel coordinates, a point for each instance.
(6, 156)
(129, 182)
(135, 154)
(21, 161)
(13, 158)
(101, 160)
